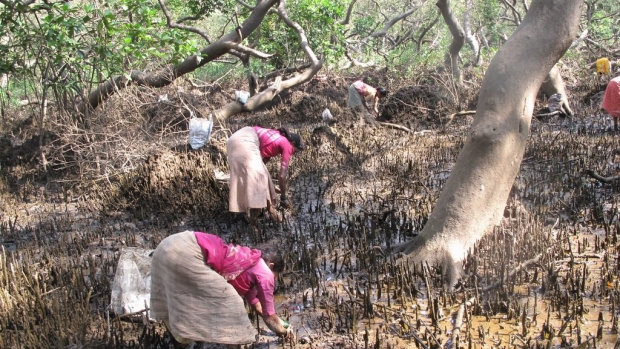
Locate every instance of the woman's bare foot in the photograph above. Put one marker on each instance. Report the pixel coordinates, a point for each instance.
(274, 214)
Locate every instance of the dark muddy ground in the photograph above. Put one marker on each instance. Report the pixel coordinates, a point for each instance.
(546, 277)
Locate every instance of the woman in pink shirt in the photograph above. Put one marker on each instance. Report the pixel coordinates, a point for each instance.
(196, 281)
(251, 188)
(611, 100)
(362, 94)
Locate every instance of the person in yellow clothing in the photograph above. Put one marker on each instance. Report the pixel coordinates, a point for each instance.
(602, 66)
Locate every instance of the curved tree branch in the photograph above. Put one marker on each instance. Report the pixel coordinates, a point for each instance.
(279, 85)
(347, 18)
(515, 13)
(173, 24)
(391, 22)
(425, 31)
(168, 74)
(458, 39)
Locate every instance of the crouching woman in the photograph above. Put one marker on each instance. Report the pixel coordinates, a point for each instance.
(196, 281)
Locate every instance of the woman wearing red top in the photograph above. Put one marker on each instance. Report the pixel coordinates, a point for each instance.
(362, 94)
(251, 187)
(611, 100)
(196, 281)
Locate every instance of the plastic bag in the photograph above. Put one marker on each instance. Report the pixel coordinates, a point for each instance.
(555, 102)
(199, 131)
(131, 288)
(242, 96)
(327, 115)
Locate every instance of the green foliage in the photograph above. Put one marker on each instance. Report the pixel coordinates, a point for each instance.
(488, 17)
(320, 21)
(70, 46)
(602, 26)
(411, 63)
(364, 26)
(207, 7)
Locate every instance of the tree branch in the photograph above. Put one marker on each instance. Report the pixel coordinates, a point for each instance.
(602, 179)
(167, 75)
(279, 85)
(391, 22)
(248, 50)
(173, 24)
(347, 18)
(515, 14)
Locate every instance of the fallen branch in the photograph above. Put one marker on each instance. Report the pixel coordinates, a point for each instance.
(557, 112)
(514, 271)
(461, 113)
(398, 127)
(458, 322)
(423, 132)
(601, 178)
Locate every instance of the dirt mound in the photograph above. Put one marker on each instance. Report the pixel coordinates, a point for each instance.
(173, 184)
(414, 105)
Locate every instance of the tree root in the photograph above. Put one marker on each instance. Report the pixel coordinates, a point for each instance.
(398, 127)
(515, 270)
(461, 113)
(601, 178)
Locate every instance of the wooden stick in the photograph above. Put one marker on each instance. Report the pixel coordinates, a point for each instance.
(398, 127)
(458, 322)
(461, 113)
(548, 114)
(601, 178)
(515, 270)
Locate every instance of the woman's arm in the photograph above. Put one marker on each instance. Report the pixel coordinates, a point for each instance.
(275, 324)
(258, 308)
(375, 102)
(282, 182)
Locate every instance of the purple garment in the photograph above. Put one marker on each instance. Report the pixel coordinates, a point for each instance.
(230, 260)
(242, 267)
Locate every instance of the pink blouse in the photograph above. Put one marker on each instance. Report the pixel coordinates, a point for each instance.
(360, 86)
(272, 143)
(257, 285)
(611, 100)
(242, 267)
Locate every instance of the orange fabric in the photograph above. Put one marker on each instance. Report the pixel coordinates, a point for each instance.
(602, 66)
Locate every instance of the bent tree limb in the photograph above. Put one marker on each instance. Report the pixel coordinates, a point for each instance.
(474, 196)
(458, 39)
(553, 84)
(279, 85)
(170, 73)
(602, 179)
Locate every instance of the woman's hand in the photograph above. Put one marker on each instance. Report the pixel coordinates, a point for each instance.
(276, 325)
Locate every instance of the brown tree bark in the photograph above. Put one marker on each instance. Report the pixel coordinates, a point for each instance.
(553, 84)
(470, 38)
(474, 197)
(172, 72)
(458, 39)
(279, 85)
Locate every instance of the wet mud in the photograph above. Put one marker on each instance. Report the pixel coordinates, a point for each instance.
(546, 277)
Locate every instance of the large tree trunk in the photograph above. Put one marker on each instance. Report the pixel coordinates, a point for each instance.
(475, 195)
(553, 84)
(458, 39)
